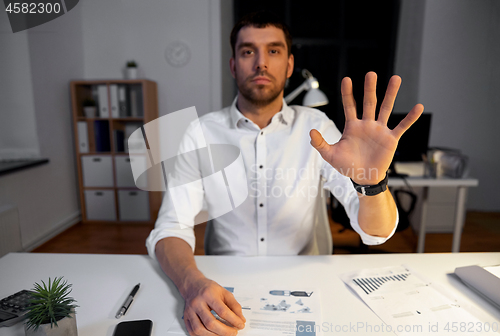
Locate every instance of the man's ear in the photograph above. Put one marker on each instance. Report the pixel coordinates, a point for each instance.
(289, 70)
(231, 66)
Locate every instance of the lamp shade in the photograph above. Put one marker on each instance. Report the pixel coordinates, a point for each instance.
(315, 97)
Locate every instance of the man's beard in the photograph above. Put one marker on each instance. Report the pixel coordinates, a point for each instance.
(260, 95)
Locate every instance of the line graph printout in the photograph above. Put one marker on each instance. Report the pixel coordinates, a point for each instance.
(409, 304)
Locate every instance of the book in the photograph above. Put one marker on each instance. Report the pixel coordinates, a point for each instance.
(102, 140)
(119, 138)
(129, 129)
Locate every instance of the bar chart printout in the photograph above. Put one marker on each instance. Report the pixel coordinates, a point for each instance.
(409, 304)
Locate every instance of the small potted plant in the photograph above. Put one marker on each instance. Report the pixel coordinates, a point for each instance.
(52, 311)
(89, 107)
(131, 70)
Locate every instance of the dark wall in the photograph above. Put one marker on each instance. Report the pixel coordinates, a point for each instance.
(334, 39)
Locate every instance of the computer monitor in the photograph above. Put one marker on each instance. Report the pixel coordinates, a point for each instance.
(415, 141)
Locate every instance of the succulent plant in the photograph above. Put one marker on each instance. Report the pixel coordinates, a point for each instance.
(50, 303)
(131, 64)
(89, 102)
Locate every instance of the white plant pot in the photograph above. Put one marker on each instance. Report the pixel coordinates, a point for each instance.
(131, 73)
(90, 111)
(65, 327)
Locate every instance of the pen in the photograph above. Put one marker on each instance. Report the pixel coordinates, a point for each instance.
(123, 309)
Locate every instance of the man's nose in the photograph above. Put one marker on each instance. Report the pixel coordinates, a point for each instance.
(261, 62)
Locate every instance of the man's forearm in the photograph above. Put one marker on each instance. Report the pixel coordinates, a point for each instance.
(377, 214)
(177, 261)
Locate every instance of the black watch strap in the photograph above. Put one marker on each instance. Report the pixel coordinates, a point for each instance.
(371, 190)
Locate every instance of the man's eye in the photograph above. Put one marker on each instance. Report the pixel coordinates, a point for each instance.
(247, 52)
(273, 51)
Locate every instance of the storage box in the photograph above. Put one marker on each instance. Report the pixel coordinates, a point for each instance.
(100, 205)
(133, 205)
(124, 177)
(97, 171)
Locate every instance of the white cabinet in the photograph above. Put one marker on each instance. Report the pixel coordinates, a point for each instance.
(133, 205)
(100, 205)
(441, 209)
(124, 177)
(97, 171)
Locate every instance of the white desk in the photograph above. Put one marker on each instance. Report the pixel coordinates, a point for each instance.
(101, 283)
(461, 184)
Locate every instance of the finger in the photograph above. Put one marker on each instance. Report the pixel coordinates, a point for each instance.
(389, 98)
(348, 99)
(212, 324)
(197, 327)
(319, 143)
(370, 97)
(410, 118)
(230, 315)
(236, 308)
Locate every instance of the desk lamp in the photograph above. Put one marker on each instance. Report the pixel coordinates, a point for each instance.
(314, 96)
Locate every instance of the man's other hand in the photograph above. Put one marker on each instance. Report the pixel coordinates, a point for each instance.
(204, 295)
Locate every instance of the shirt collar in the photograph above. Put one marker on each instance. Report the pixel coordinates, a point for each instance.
(285, 116)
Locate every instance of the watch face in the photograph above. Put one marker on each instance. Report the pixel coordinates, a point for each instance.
(177, 54)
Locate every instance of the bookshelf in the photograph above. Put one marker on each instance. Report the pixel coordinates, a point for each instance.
(106, 187)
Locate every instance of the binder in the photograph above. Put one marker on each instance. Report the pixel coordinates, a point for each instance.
(123, 102)
(113, 95)
(133, 103)
(136, 101)
(83, 137)
(102, 92)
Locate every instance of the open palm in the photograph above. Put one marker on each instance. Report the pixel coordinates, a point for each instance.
(367, 146)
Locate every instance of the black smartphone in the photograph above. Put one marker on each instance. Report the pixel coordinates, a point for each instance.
(134, 328)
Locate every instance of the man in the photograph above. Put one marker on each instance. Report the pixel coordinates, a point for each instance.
(273, 137)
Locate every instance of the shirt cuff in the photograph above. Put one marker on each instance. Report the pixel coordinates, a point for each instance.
(373, 240)
(160, 233)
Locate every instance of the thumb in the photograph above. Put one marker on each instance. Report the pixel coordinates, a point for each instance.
(318, 142)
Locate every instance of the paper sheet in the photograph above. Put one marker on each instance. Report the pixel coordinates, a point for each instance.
(274, 311)
(409, 304)
(279, 311)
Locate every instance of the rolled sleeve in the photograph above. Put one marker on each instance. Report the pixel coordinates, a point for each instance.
(183, 200)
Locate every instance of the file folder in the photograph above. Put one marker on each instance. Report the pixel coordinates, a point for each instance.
(113, 95)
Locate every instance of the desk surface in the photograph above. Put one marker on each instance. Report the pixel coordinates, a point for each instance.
(102, 282)
(433, 182)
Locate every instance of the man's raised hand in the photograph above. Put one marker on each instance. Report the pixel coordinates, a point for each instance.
(367, 146)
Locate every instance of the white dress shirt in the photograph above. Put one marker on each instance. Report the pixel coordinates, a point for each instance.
(283, 173)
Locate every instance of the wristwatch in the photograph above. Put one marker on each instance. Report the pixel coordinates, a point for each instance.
(371, 190)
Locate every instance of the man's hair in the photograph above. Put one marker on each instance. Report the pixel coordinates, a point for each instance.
(261, 19)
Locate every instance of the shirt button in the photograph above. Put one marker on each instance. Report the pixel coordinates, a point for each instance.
(261, 239)
(261, 133)
(261, 205)
(246, 120)
(261, 166)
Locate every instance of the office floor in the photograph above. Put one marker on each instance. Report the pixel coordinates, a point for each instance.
(481, 234)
